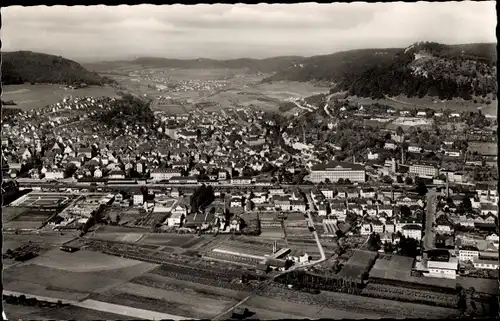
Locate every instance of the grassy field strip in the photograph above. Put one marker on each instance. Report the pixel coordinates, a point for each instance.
(46, 291)
(165, 281)
(418, 309)
(127, 311)
(302, 310)
(39, 297)
(204, 306)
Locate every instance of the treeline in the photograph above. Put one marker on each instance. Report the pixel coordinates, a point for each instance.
(30, 67)
(446, 79)
(128, 110)
(464, 71)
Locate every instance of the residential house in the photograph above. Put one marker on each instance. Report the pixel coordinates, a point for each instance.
(367, 193)
(414, 149)
(138, 199)
(327, 192)
(443, 225)
(298, 205)
(282, 202)
(54, 174)
(357, 209)
(322, 209)
(372, 210)
(97, 173)
(387, 209)
(468, 253)
(390, 145)
(377, 226)
(339, 210)
(116, 174)
(366, 227)
(487, 208)
(412, 231)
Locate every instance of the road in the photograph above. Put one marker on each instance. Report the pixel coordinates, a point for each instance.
(430, 217)
(266, 283)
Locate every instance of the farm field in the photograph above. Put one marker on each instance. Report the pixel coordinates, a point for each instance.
(71, 275)
(343, 304)
(28, 96)
(274, 307)
(166, 301)
(69, 312)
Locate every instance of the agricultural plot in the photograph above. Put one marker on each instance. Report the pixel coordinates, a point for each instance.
(29, 97)
(173, 240)
(274, 233)
(167, 301)
(72, 275)
(343, 305)
(398, 293)
(392, 267)
(69, 312)
(358, 264)
(221, 277)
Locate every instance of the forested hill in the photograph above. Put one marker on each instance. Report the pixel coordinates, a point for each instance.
(445, 71)
(30, 67)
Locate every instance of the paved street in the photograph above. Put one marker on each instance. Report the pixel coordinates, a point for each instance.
(430, 218)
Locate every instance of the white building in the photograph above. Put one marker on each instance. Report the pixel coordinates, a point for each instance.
(413, 231)
(486, 264)
(54, 174)
(336, 170)
(468, 254)
(442, 269)
(164, 173)
(138, 199)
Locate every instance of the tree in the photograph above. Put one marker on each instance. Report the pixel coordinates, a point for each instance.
(388, 247)
(340, 181)
(399, 179)
(327, 181)
(387, 179)
(400, 131)
(70, 170)
(374, 242)
(421, 188)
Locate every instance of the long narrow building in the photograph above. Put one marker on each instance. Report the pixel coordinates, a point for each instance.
(337, 170)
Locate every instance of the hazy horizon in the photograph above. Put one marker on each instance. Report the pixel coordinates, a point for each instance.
(100, 33)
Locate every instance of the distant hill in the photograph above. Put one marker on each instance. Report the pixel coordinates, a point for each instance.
(263, 65)
(30, 67)
(425, 68)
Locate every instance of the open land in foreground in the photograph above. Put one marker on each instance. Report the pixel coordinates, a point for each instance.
(88, 275)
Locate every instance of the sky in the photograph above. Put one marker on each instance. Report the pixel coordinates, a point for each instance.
(224, 31)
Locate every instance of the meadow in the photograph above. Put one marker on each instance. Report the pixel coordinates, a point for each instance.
(29, 97)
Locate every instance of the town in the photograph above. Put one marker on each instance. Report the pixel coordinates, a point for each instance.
(250, 162)
(289, 198)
